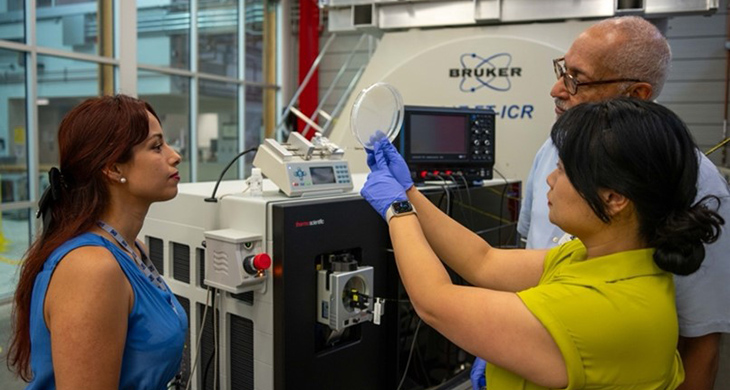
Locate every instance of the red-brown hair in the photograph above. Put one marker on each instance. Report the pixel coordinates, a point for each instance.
(92, 136)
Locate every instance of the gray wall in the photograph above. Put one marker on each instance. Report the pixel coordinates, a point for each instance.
(696, 86)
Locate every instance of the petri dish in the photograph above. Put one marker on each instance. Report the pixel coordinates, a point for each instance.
(377, 113)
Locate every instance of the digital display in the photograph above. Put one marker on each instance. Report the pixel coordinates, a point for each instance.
(322, 175)
(438, 134)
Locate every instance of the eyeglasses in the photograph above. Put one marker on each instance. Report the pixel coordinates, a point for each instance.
(571, 84)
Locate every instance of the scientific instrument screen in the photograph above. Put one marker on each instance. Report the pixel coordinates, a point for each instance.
(322, 175)
(438, 134)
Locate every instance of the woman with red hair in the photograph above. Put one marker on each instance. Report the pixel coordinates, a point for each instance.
(91, 311)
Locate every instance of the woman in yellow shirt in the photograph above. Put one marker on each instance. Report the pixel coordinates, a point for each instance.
(596, 312)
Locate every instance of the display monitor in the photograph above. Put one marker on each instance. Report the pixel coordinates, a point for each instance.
(438, 136)
(448, 141)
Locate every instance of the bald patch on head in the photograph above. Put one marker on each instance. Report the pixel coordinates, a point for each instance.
(630, 47)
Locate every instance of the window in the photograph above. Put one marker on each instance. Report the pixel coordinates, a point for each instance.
(169, 95)
(71, 25)
(218, 37)
(210, 105)
(217, 129)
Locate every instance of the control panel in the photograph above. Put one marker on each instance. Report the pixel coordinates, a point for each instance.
(235, 261)
(444, 141)
(318, 174)
(482, 137)
(300, 167)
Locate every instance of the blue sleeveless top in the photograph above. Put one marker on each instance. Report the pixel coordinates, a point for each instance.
(156, 325)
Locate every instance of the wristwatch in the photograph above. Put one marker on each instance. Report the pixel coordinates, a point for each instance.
(398, 208)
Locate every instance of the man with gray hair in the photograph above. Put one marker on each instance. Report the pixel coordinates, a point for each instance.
(628, 56)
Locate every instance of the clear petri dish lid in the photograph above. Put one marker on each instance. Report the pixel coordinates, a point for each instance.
(376, 114)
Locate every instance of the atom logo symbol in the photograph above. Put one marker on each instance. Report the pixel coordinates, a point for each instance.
(490, 72)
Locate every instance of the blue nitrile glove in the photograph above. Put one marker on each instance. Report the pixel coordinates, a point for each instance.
(371, 151)
(396, 164)
(370, 159)
(381, 189)
(478, 381)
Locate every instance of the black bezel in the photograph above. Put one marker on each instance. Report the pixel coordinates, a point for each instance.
(402, 206)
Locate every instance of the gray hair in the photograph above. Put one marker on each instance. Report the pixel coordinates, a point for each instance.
(643, 54)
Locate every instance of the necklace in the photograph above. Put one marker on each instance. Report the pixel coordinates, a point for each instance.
(144, 264)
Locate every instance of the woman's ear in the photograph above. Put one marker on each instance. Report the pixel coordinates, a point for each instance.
(614, 201)
(113, 173)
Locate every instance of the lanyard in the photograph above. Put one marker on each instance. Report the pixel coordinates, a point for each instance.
(144, 264)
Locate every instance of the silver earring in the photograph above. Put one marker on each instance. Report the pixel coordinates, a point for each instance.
(123, 180)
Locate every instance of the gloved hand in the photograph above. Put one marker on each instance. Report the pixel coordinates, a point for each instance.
(396, 164)
(374, 139)
(381, 189)
(478, 381)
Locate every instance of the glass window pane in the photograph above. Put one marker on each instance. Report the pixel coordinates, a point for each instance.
(14, 241)
(13, 128)
(217, 129)
(72, 25)
(163, 34)
(169, 95)
(12, 21)
(218, 37)
(254, 40)
(62, 84)
(14, 237)
(254, 130)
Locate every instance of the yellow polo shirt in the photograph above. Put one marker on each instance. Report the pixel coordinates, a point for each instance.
(613, 318)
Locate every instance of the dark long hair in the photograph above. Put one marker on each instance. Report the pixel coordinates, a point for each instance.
(643, 151)
(92, 136)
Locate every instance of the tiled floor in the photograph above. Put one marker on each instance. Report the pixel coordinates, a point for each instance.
(7, 379)
(13, 243)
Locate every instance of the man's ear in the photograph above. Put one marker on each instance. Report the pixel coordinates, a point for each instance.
(640, 90)
(615, 202)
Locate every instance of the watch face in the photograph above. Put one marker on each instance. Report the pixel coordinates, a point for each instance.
(402, 206)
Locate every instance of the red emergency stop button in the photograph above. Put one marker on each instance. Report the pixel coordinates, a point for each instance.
(262, 261)
(256, 263)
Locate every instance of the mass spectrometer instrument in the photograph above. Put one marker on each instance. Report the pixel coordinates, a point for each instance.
(297, 268)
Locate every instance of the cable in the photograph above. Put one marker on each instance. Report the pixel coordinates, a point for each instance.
(489, 230)
(215, 349)
(486, 214)
(468, 196)
(207, 369)
(445, 186)
(410, 354)
(217, 183)
(248, 186)
(466, 185)
(501, 204)
(468, 221)
(718, 146)
(507, 196)
(197, 343)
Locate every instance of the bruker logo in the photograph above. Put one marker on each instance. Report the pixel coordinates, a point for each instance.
(494, 72)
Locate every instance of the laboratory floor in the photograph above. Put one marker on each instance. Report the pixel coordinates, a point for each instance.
(7, 379)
